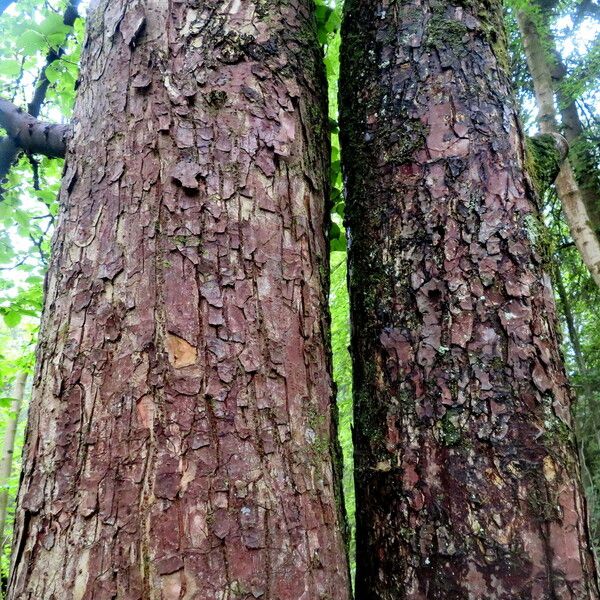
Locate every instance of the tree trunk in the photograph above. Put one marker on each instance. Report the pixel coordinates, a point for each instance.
(572, 201)
(467, 471)
(8, 449)
(586, 426)
(583, 162)
(180, 443)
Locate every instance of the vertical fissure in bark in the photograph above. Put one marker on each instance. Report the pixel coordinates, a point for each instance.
(467, 477)
(185, 333)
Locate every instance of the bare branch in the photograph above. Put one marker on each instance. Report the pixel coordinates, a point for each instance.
(32, 135)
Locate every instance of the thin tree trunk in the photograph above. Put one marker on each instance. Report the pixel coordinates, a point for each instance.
(586, 426)
(585, 167)
(180, 443)
(467, 472)
(8, 449)
(583, 162)
(570, 321)
(573, 204)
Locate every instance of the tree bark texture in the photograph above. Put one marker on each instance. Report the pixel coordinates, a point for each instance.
(32, 135)
(467, 473)
(180, 443)
(572, 201)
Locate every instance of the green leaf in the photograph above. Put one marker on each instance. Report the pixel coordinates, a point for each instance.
(32, 41)
(339, 244)
(9, 66)
(53, 25)
(53, 71)
(11, 318)
(46, 196)
(334, 232)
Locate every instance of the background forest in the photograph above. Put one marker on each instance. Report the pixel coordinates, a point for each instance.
(39, 54)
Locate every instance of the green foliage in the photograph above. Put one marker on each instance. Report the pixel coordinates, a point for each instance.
(585, 74)
(342, 373)
(328, 20)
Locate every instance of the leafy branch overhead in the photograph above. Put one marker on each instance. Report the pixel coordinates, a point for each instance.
(51, 35)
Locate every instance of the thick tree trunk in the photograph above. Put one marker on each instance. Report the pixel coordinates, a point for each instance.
(8, 449)
(180, 438)
(467, 472)
(574, 207)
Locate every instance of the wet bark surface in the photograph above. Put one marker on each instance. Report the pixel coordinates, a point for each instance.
(179, 438)
(467, 478)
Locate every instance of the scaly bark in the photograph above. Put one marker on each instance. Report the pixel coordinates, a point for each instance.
(180, 437)
(8, 448)
(574, 207)
(467, 472)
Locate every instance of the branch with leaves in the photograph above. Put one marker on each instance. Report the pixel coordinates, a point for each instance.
(9, 146)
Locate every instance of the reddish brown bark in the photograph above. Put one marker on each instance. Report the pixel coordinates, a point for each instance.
(466, 468)
(179, 443)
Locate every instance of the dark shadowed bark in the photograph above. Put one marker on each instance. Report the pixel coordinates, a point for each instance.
(467, 473)
(179, 443)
